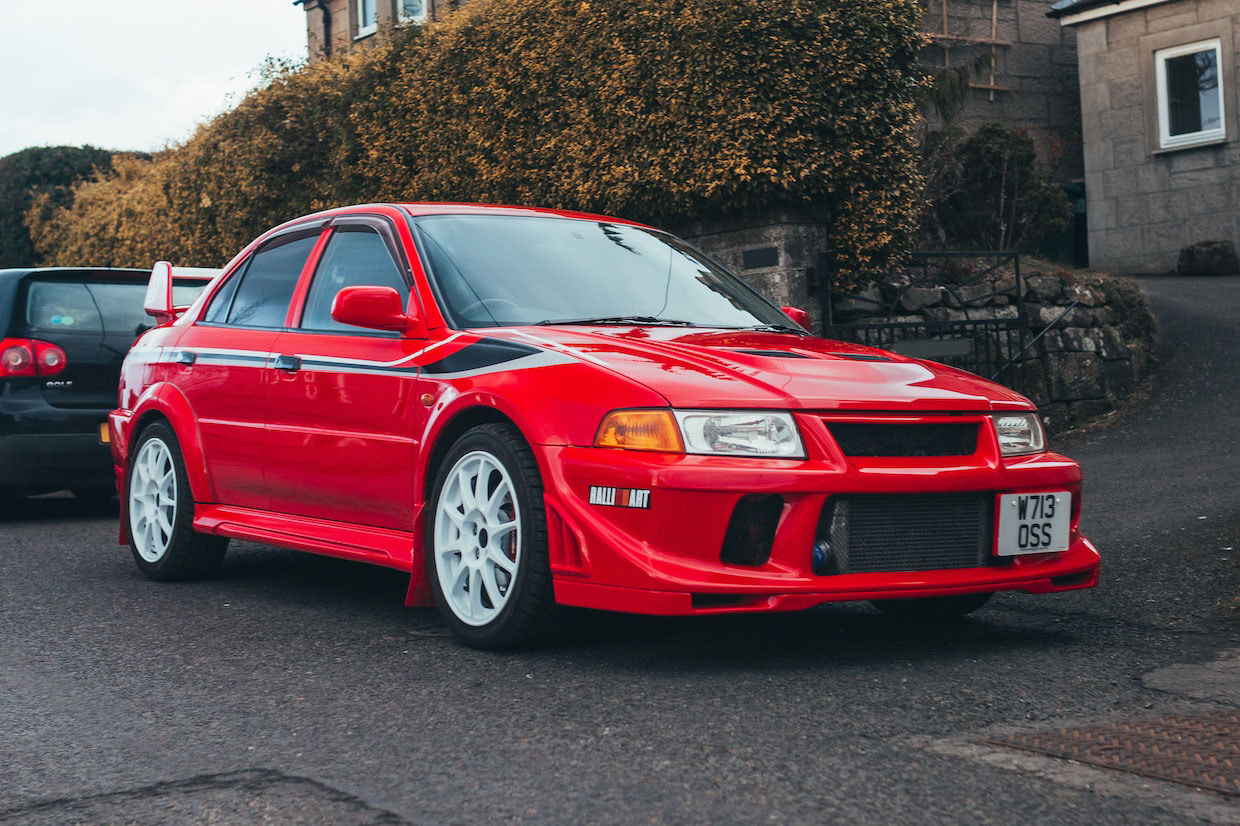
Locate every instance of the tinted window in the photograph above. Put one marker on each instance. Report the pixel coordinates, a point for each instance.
(355, 257)
(221, 302)
(266, 287)
(1192, 92)
(76, 307)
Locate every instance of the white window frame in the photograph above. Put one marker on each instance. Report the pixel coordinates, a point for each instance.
(1165, 139)
(409, 18)
(364, 30)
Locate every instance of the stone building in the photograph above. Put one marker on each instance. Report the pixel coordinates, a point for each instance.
(1159, 88)
(1022, 72)
(339, 26)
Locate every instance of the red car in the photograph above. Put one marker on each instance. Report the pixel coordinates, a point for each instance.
(528, 409)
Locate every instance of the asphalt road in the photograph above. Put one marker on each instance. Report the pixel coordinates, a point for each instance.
(296, 689)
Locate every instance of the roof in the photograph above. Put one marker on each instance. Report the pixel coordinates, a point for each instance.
(415, 209)
(1067, 8)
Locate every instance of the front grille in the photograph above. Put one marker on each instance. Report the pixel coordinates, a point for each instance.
(751, 530)
(877, 533)
(882, 439)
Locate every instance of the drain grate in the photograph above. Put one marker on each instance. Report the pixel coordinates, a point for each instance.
(1200, 750)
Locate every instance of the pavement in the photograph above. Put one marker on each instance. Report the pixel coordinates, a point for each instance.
(298, 689)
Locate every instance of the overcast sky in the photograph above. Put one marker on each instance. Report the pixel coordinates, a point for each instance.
(132, 74)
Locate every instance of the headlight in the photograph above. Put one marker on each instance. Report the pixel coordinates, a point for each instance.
(740, 433)
(1019, 433)
(710, 432)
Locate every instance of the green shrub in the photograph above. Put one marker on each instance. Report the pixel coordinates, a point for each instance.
(47, 171)
(988, 194)
(657, 111)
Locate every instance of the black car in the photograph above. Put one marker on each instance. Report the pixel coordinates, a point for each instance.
(63, 335)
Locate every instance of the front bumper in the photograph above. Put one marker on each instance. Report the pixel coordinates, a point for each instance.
(660, 552)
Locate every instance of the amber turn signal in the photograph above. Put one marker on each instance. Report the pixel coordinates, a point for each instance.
(640, 430)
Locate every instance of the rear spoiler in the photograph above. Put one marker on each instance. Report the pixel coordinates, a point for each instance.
(158, 301)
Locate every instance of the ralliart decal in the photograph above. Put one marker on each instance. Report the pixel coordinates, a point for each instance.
(619, 497)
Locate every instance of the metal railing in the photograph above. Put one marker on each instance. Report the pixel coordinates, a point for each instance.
(982, 327)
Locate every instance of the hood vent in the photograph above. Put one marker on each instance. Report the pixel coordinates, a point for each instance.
(774, 354)
(861, 356)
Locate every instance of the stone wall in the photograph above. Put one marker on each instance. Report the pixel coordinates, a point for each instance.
(1089, 358)
(775, 254)
(1096, 344)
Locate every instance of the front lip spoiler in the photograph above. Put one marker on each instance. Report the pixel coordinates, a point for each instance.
(1079, 571)
(683, 603)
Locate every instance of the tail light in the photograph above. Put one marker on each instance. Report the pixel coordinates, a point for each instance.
(28, 357)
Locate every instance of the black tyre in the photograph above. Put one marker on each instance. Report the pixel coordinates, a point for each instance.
(160, 510)
(932, 608)
(486, 541)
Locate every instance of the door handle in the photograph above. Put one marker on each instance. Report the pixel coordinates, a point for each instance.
(185, 357)
(289, 364)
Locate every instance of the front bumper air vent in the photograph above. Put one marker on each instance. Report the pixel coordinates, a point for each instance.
(751, 530)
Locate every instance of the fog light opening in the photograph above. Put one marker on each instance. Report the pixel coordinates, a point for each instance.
(822, 558)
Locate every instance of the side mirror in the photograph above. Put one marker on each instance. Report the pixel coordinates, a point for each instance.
(158, 300)
(379, 308)
(799, 316)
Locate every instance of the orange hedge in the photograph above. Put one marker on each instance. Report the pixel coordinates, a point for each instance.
(663, 112)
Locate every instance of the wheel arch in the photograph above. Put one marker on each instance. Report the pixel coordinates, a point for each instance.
(445, 435)
(165, 402)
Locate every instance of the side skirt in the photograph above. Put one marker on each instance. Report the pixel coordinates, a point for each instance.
(377, 546)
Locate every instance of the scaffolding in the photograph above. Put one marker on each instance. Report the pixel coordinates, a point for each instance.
(945, 40)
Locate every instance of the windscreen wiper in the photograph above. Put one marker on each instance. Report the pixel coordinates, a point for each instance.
(776, 328)
(635, 320)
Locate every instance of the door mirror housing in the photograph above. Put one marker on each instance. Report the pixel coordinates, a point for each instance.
(378, 308)
(799, 316)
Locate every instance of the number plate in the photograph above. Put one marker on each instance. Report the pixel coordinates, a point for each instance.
(1034, 523)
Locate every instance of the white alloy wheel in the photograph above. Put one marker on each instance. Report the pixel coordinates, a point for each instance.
(152, 500)
(477, 538)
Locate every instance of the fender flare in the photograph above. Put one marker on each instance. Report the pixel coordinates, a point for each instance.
(165, 400)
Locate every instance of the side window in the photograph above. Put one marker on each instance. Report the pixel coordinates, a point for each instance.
(356, 256)
(262, 293)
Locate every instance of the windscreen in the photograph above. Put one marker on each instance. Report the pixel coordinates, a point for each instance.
(96, 307)
(493, 270)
